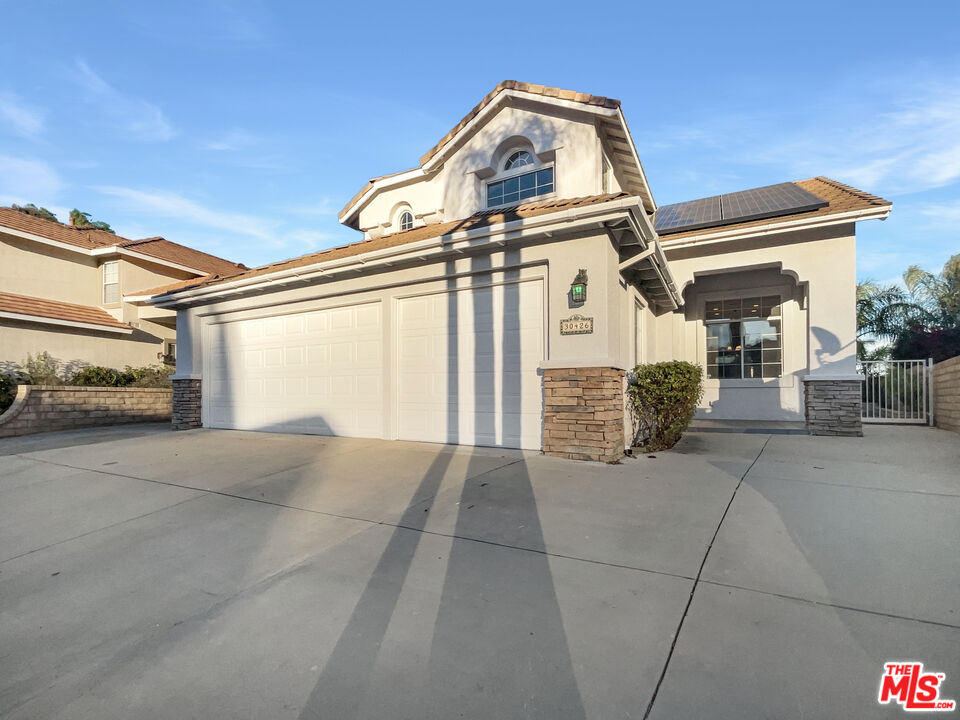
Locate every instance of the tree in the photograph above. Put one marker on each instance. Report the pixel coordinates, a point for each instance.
(937, 333)
(883, 314)
(40, 212)
(82, 220)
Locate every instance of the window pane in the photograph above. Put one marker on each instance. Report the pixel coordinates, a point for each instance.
(751, 307)
(524, 194)
(752, 371)
(712, 311)
(730, 372)
(771, 371)
(528, 181)
(110, 272)
(519, 159)
(511, 185)
(711, 357)
(544, 189)
(510, 198)
(494, 193)
(713, 372)
(545, 177)
(111, 293)
(753, 357)
(771, 356)
(731, 309)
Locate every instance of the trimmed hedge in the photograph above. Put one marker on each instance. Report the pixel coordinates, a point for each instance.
(8, 391)
(662, 398)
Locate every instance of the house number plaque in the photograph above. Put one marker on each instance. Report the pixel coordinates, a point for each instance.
(576, 325)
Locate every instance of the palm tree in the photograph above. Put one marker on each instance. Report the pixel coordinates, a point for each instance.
(884, 312)
(938, 295)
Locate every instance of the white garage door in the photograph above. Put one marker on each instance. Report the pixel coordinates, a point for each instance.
(315, 372)
(468, 364)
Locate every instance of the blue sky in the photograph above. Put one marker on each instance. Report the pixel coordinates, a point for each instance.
(242, 128)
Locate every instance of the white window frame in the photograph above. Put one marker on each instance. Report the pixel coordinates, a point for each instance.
(704, 297)
(523, 170)
(105, 284)
(405, 211)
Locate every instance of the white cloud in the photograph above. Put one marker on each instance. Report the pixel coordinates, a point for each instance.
(25, 119)
(172, 205)
(943, 212)
(27, 181)
(136, 117)
(235, 139)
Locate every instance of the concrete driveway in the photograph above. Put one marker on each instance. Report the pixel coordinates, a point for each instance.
(216, 574)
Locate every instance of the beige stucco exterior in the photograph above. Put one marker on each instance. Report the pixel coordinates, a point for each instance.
(52, 271)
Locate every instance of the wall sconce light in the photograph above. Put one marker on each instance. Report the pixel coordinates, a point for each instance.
(578, 288)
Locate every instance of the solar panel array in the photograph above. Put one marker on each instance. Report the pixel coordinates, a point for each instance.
(770, 201)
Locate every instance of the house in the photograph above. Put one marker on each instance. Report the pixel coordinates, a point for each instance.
(79, 294)
(505, 284)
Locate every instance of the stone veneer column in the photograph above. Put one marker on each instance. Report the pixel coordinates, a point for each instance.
(583, 413)
(186, 403)
(833, 407)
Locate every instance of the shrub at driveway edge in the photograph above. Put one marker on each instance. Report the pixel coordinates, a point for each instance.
(662, 398)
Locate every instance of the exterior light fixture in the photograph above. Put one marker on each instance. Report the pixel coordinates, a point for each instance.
(578, 288)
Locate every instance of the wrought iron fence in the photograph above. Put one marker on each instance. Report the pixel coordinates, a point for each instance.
(897, 391)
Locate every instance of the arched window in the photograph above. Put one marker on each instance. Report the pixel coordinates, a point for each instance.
(518, 159)
(406, 220)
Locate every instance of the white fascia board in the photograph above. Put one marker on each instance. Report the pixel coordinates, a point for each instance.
(65, 323)
(99, 252)
(636, 157)
(122, 251)
(879, 213)
(541, 224)
(481, 117)
(45, 241)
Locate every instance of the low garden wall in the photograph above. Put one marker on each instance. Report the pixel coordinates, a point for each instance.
(946, 394)
(42, 408)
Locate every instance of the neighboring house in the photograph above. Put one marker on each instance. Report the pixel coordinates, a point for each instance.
(79, 293)
(460, 317)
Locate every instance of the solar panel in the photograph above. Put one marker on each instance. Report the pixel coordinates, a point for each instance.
(695, 213)
(764, 202)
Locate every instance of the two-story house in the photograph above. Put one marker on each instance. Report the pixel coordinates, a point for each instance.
(77, 293)
(505, 284)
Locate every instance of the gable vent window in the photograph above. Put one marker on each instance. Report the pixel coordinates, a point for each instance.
(406, 221)
(111, 282)
(520, 187)
(518, 159)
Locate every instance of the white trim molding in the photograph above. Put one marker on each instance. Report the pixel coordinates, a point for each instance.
(65, 323)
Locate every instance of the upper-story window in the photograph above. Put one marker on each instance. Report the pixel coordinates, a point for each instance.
(518, 159)
(111, 282)
(406, 220)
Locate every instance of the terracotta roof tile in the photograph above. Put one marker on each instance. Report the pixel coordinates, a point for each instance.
(39, 307)
(484, 218)
(840, 198)
(156, 247)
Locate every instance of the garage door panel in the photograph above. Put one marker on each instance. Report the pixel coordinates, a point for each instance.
(479, 384)
(318, 372)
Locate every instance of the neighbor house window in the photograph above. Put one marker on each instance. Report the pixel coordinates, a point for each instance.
(520, 187)
(111, 282)
(406, 221)
(744, 338)
(606, 183)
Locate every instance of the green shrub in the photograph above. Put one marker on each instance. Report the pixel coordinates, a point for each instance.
(44, 369)
(8, 391)
(155, 376)
(98, 376)
(662, 398)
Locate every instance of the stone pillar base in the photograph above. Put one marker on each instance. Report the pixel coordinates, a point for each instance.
(833, 406)
(583, 413)
(186, 403)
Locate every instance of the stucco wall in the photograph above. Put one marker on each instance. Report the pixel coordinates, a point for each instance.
(30, 268)
(946, 394)
(564, 137)
(77, 347)
(42, 408)
(814, 269)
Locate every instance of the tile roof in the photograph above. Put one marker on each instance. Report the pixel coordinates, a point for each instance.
(545, 91)
(87, 239)
(484, 218)
(840, 198)
(42, 308)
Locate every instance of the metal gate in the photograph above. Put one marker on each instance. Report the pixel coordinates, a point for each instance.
(897, 391)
